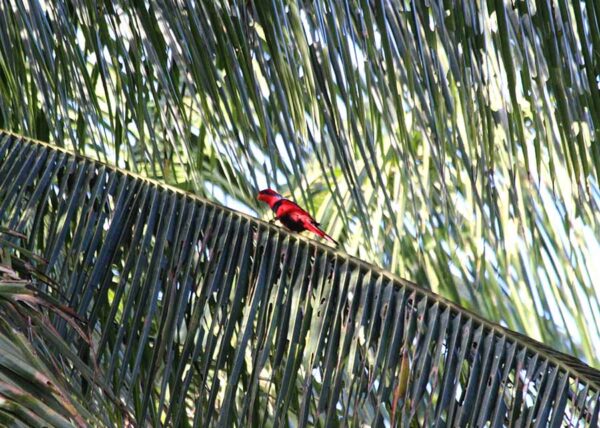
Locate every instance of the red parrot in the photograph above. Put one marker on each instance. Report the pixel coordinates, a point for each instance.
(290, 214)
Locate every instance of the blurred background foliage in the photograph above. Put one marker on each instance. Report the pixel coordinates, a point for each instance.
(454, 143)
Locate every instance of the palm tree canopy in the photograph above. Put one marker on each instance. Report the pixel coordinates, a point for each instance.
(453, 143)
(450, 143)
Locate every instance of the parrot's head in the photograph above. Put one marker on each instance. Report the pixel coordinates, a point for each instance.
(269, 196)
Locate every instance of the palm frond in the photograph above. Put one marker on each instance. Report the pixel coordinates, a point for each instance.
(43, 381)
(202, 315)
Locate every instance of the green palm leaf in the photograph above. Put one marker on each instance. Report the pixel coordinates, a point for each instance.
(40, 374)
(200, 315)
